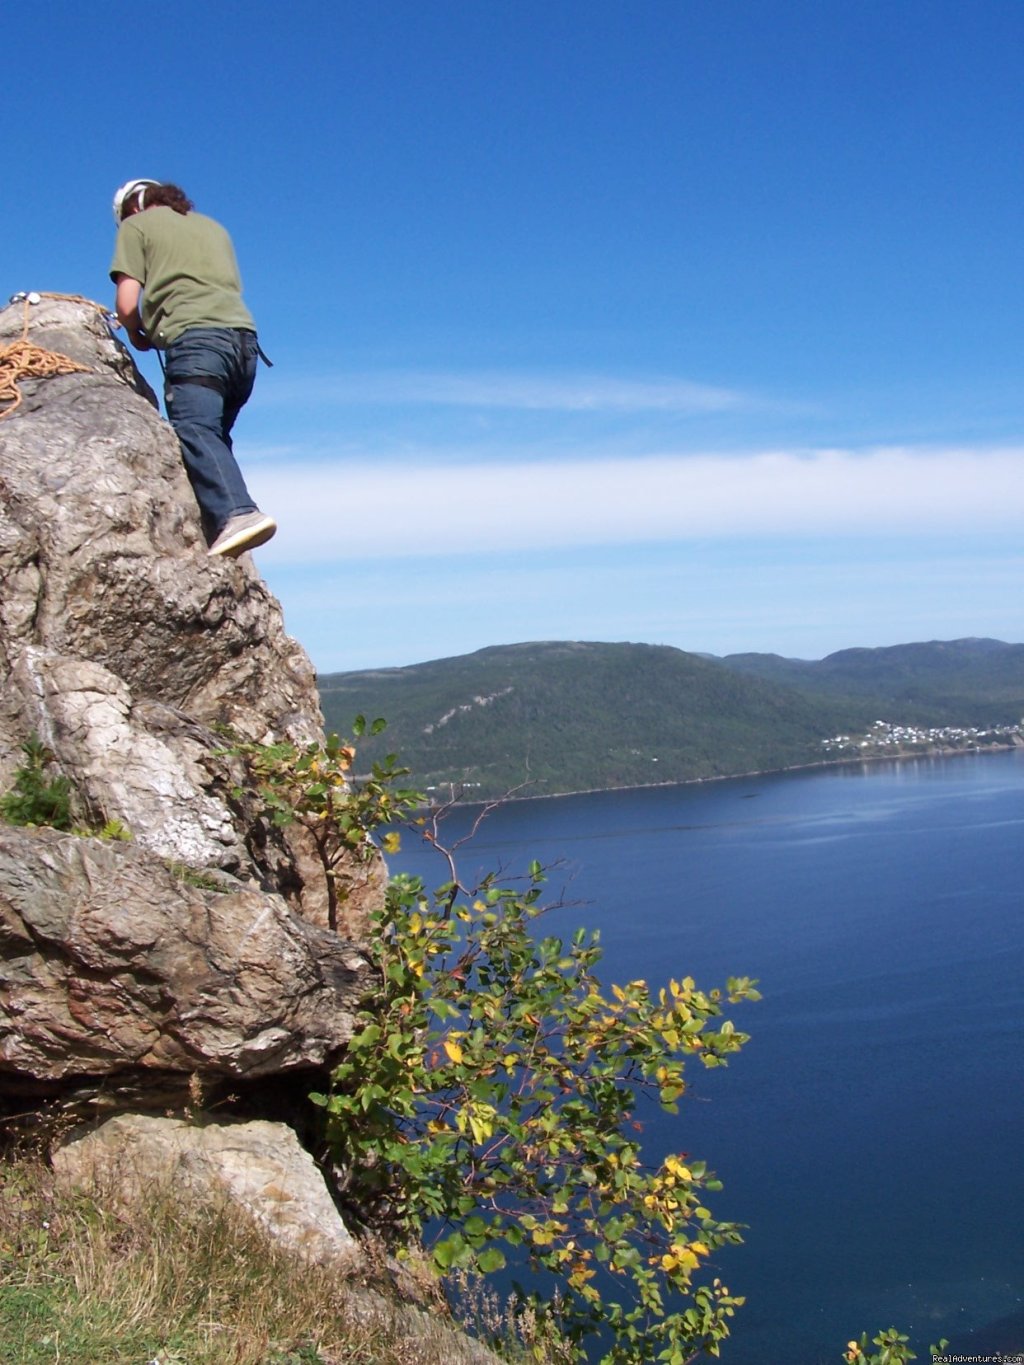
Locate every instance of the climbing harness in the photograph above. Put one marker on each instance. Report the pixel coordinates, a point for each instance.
(24, 360)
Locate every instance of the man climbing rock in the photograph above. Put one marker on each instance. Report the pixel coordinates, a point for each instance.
(179, 291)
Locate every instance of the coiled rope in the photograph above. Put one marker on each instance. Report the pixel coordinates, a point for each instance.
(24, 360)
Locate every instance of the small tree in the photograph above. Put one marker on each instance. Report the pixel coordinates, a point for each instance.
(309, 786)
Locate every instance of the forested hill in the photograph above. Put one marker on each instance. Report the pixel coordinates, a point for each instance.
(572, 716)
(941, 682)
(577, 716)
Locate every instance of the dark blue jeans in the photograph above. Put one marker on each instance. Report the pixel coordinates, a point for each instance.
(209, 373)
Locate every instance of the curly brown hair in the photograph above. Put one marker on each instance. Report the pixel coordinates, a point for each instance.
(170, 196)
(163, 195)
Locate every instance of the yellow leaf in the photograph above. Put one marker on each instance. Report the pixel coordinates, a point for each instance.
(481, 1125)
(675, 1167)
(453, 1050)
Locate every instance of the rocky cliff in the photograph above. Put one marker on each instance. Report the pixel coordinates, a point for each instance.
(199, 947)
(188, 967)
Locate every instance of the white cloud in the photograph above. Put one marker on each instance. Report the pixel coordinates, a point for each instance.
(493, 389)
(391, 508)
(719, 597)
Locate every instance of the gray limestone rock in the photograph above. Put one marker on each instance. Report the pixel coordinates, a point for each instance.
(131, 655)
(122, 646)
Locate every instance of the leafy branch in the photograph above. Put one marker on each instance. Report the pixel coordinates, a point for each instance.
(893, 1349)
(310, 786)
(490, 1098)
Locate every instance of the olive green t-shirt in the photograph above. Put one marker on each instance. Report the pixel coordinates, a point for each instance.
(188, 272)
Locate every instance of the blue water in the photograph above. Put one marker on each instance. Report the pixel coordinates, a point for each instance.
(870, 1135)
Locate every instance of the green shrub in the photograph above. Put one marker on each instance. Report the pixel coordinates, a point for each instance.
(492, 1091)
(488, 1098)
(37, 797)
(492, 1087)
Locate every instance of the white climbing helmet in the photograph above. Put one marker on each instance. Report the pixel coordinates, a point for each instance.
(129, 188)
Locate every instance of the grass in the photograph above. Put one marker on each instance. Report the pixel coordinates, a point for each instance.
(167, 1284)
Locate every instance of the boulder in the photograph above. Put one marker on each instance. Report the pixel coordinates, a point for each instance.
(112, 965)
(257, 1167)
(260, 1170)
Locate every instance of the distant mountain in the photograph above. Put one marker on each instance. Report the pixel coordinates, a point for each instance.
(970, 682)
(575, 716)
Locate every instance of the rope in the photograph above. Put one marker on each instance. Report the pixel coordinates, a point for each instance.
(23, 360)
(76, 298)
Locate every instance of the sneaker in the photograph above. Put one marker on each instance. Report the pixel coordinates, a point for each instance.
(242, 533)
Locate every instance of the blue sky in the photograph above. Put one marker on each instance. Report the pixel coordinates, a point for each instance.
(693, 322)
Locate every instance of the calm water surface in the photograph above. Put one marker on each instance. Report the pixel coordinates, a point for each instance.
(870, 1135)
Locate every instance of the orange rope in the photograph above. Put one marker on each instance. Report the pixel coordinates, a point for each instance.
(23, 360)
